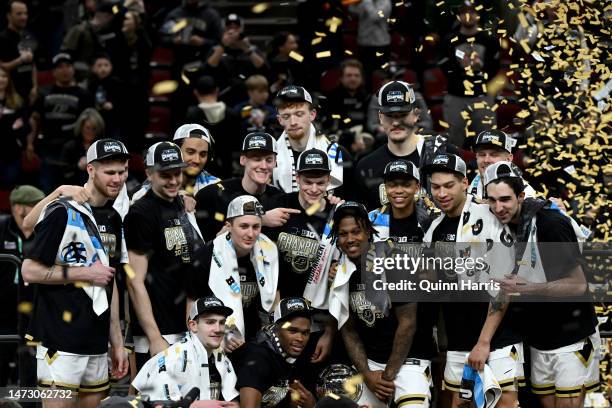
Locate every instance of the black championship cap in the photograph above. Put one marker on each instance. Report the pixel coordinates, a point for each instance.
(396, 96)
(291, 307)
(313, 160)
(446, 163)
(165, 156)
(495, 138)
(401, 168)
(259, 141)
(293, 93)
(106, 149)
(209, 304)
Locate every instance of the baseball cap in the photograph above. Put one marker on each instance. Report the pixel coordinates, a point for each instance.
(244, 205)
(447, 163)
(105, 149)
(61, 57)
(396, 96)
(401, 168)
(294, 93)
(259, 141)
(210, 304)
(291, 307)
(495, 138)
(26, 195)
(165, 156)
(313, 160)
(193, 130)
(350, 208)
(233, 18)
(499, 170)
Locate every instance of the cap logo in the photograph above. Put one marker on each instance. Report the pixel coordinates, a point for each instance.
(257, 142)
(398, 167)
(314, 159)
(211, 303)
(169, 155)
(111, 147)
(395, 97)
(490, 138)
(295, 304)
(440, 160)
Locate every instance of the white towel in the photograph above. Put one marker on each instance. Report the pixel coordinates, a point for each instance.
(339, 293)
(284, 173)
(224, 278)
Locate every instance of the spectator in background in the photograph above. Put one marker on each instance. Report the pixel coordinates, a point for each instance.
(256, 113)
(220, 120)
(192, 29)
(349, 100)
(285, 70)
(234, 59)
(108, 92)
(89, 127)
(471, 61)
(13, 130)
(373, 36)
(16, 51)
(53, 118)
(89, 38)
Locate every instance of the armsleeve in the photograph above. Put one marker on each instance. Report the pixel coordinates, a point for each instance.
(138, 232)
(48, 236)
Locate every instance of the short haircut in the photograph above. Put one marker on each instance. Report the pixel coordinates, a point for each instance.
(206, 85)
(9, 5)
(351, 62)
(515, 183)
(101, 55)
(256, 82)
(364, 222)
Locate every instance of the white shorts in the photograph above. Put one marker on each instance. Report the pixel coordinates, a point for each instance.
(566, 371)
(506, 364)
(412, 385)
(80, 373)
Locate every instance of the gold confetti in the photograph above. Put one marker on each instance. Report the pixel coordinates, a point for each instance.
(164, 87)
(260, 8)
(219, 217)
(443, 124)
(67, 316)
(179, 26)
(129, 271)
(25, 307)
(296, 56)
(323, 54)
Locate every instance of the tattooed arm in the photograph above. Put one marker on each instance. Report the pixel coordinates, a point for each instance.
(404, 334)
(480, 353)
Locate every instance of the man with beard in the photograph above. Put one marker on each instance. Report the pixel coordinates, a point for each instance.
(161, 240)
(398, 116)
(268, 375)
(241, 269)
(476, 325)
(258, 157)
(296, 114)
(563, 335)
(378, 334)
(68, 249)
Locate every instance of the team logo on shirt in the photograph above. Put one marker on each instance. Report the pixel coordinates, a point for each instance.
(74, 252)
(109, 242)
(175, 239)
(299, 251)
(364, 309)
(506, 238)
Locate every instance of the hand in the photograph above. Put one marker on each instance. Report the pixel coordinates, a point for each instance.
(278, 216)
(157, 345)
(26, 56)
(120, 362)
(333, 269)
(479, 355)
(82, 164)
(196, 40)
(382, 389)
(78, 193)
(214, 404)
(99, 275)
(323, 349)
(335, 200)
(232, 344)
(301, 396)
(190, 202)
(513, 284)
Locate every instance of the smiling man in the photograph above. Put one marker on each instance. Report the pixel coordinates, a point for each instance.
(194, 361)
(239, 267)
(267, 377)
(161, 241)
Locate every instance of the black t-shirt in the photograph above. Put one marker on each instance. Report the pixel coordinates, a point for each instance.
(59, 108)
(213, 200)
(369, 184)
(405, 230)
(160, 229)
(197, 286)
(63, 318)
(298, 242)
(464, 320)
(557, 324)
(9, 51)
(262, 370)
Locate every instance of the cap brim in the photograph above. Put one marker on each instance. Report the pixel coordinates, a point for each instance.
(157, 167)
(488, 144)
(314, 170)
(433, 168)
(399, 174)
(222, 310)
(298, 313)
(118, 156)
(259, 150)
(394, 109)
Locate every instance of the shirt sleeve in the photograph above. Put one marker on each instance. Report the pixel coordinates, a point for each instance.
(257, 373)
(48, 236)
(557, 244)
(139, 232)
